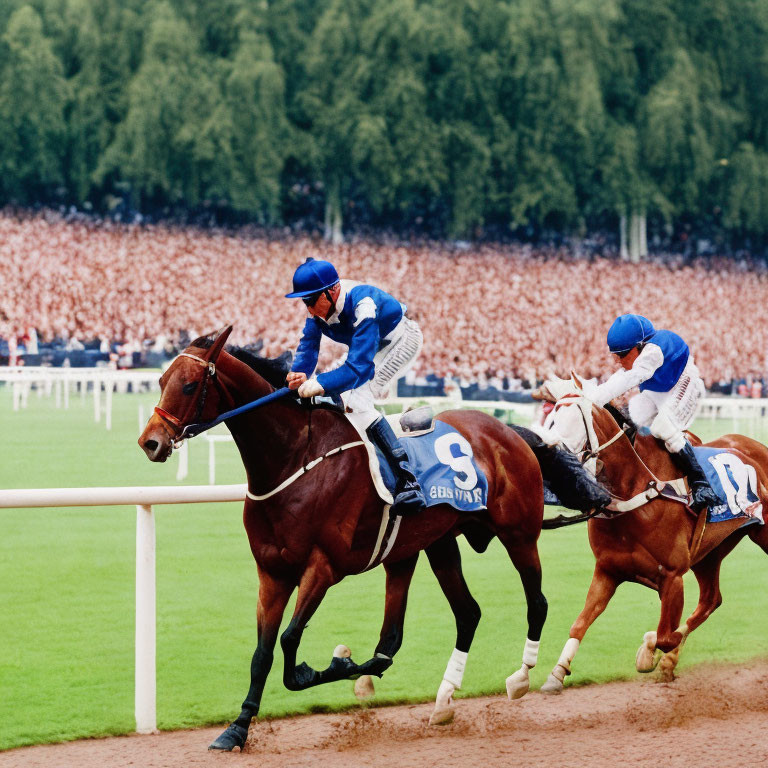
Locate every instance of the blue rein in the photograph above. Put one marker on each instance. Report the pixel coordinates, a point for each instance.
(192, 430)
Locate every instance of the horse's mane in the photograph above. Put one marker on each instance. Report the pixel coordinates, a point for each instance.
(621, 415)
(272, 369)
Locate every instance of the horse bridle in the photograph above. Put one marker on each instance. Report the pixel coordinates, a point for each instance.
(585, 406)
(178, 423)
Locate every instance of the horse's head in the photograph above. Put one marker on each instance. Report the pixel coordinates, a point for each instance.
(576, 422)
(190, 393)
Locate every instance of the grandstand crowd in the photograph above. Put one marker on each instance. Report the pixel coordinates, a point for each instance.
(494, 317)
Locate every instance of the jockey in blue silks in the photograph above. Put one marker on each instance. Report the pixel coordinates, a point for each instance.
(382, 344)
(661, 365)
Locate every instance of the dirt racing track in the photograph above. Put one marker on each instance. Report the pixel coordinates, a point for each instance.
(710, 716)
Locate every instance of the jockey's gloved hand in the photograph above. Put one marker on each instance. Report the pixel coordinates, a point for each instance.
(311, 388)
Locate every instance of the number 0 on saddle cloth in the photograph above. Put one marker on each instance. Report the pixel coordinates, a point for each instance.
(734, 482)
(443, 462)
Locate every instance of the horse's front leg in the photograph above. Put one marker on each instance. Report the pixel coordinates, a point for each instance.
(601, 590)
(273, 595)
(399, 577)
(318, 577)
(707, 573)
(669, 635)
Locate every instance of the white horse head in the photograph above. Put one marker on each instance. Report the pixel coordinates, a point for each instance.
(565, 424)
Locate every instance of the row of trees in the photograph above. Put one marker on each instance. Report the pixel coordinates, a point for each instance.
(452, 115)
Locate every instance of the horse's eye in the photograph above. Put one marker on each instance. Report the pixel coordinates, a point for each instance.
(189, 388)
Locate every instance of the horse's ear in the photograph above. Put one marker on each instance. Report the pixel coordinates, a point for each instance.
(577, 382)
(218, 344)
(543, 393)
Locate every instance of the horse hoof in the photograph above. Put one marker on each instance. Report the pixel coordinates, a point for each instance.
(364, 687)
(442, 716)
(552, 687)
(518, 685)
(234, 736)
(667, 666)
(342, 652)
(646, 658)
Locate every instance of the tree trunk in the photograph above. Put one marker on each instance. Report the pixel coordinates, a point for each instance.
(333, 220)
(638, 241)
(634, 250)
(623, 250)
(643, 235)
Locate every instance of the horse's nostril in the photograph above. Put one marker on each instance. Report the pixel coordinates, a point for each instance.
(151, 445)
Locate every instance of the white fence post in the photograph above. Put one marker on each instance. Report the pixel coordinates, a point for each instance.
(110, 385)
(143, 498)
(96, 399)
(145, 695)
(183, 468)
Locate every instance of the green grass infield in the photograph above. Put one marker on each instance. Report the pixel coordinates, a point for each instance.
(67, 597)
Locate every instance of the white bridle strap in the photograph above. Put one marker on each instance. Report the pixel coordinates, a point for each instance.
(296, 475)
(211, 366)
(619, 505)
(612, 440)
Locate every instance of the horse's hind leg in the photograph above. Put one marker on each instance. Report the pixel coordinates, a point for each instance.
(445, 560)
(273, 595)
(525, 556)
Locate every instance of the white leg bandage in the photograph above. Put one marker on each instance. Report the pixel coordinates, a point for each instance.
(454, 672)
(563, 665)
(531, 652)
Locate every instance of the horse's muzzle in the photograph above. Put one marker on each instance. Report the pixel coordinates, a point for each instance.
(155, 442)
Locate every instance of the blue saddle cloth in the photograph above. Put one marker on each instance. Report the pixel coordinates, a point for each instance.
(734, 483)
(444, 464)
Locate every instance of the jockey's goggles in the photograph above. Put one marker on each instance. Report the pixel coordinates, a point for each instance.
(624, 352)
(311, 300)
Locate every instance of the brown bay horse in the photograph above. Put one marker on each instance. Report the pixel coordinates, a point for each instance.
(655, 543)
(323, 524)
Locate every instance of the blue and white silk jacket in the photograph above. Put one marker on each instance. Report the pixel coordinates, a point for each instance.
(364, 315)
(657, 368)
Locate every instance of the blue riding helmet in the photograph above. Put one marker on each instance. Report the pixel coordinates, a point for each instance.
(628, 331)
(313, 276)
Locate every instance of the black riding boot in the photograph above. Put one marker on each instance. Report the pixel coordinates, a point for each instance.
(703, 495)
(409, 498)
(565, 475)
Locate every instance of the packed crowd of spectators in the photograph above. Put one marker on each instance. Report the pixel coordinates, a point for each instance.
(499, 317)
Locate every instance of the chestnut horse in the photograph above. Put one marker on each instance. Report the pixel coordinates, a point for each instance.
(656, 539)
(311, 531)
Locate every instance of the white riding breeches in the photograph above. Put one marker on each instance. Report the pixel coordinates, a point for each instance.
(390, 363)
(669, 414)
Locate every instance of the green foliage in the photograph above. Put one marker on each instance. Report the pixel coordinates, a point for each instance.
(33, 94)
(513, 111)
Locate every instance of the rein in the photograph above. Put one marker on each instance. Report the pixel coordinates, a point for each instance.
(192, 430)
(197, 427)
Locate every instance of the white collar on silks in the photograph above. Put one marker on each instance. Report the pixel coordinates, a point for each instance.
(338, 307)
